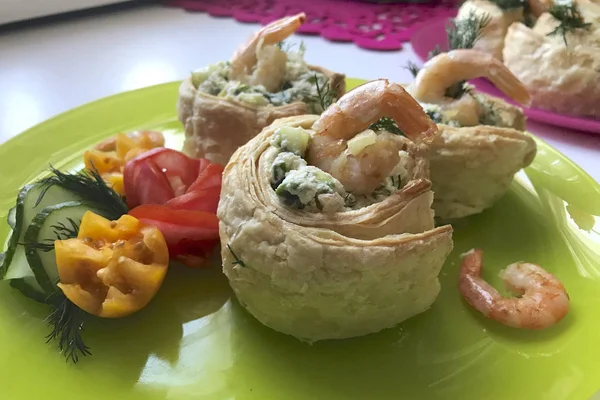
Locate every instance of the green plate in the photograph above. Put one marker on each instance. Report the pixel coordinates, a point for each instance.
(195, 342)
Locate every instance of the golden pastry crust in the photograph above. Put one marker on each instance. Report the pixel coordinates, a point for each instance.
(561, 79)
(323, 276)
(473, 167)
(215, 127)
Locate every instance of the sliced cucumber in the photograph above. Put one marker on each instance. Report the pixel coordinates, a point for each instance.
(43, 229)
(30, 288)
(12, 217)
(14, 265)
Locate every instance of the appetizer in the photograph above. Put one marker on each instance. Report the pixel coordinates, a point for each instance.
(542, 302)
(224, 105)
(326, 224)
(481, 144)
(558, 59)
(78, 246)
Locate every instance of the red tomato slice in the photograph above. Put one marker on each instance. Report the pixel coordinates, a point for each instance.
(198, 200)
(145, 184)
(210, 177)
(172, 163)
(186, 232)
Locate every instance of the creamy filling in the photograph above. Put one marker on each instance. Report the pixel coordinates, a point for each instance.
(308, 188)
(301, 85)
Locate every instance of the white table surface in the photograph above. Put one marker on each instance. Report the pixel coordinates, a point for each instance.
(49, 69)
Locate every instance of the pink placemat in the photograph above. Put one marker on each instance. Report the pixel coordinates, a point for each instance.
(368, 25)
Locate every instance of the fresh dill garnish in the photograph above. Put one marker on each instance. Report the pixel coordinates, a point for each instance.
(434, 115)
(287, 47)
(61, 231)
(237, 261)
(464, 33)
(412, 68)
(569, 19)
(386, 124)
(350, 200)
(90, 186)
(509, 4)
(396, 181)
(67, 322)
(434, 52)
(325, 94)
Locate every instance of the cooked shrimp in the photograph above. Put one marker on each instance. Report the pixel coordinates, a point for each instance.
(448, 69)
(543, 302)
(258, 61)
(351, 115)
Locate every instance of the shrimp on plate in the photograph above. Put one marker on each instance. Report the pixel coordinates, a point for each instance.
(446, 70)
(259, 61)
(352, 114)
(543, 302)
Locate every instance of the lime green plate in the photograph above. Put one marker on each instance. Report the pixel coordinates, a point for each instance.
(195, 342)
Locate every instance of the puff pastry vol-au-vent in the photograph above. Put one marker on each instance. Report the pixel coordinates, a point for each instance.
(309, 258)
(561, 78)
(481, 143)
(224, 105)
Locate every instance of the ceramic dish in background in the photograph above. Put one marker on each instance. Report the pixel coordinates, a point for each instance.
(434, 34)
(195, 342)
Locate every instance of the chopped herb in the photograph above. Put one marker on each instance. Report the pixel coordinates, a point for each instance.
(436, 51)
(412, 68)
(386, 124)
(464, 33)
(67, 322)
(434, 115)
(287, 47)
(396, 181)
(61, 231)
(350, 200)
(325, 94)
(569, 18)
(237, 260)
(243, 89)
(90, 186)
(509, 4)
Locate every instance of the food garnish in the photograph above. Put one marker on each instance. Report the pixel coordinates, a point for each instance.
(109, 157)
(542, 302)
(112, 268)
(236, 259)
(569, 18)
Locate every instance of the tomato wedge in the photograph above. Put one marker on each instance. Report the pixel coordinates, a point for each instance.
(178, 171)
(190, 235)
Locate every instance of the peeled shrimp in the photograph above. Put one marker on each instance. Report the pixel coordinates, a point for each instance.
(352, 114)
(543, 301)
(447, 69)
(258, 61)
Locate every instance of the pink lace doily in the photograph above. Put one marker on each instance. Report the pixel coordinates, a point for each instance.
(370, 26)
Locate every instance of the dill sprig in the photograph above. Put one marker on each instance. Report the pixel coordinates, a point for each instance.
(325, 94)
(237, 261)
(464, 33)
(412, 68)
(286, 47)
(67, 322)
(434, 52)
(509, 4)
(386, 124)
(569, 18)
(61, 231)
(90, 186)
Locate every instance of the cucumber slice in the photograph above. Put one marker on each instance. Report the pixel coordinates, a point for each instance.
(43, 229)
(12, 217)
(14, 265)
(30, 288)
